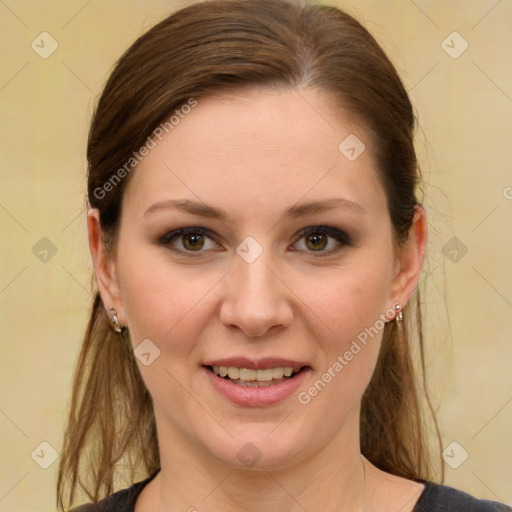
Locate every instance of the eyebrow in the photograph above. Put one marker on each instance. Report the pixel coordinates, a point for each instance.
(298, 210)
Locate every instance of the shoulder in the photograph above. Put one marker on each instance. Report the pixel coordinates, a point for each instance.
(120, 501)
(441, 498)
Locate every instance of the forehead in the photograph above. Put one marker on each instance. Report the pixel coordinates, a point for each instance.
(259, 148)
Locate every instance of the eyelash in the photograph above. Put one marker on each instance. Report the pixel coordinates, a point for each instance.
(341, 237)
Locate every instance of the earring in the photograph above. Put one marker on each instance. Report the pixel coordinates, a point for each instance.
(114, 321)
(399, 315)
(399, 323)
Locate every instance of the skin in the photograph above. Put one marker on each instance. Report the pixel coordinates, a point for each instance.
(254, 154)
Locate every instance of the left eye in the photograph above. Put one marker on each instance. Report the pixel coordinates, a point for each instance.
(322, 239)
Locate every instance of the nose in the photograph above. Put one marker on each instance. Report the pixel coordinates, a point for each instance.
(256, 301)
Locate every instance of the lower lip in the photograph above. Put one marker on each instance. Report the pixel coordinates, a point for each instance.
(257, 397)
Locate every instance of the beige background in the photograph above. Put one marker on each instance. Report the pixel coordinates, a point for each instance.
(464, 106)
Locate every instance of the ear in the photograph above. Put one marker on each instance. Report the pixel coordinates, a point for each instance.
(103, 259)
(410, 259)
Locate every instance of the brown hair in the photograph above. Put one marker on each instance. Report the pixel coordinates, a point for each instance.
(218, 46)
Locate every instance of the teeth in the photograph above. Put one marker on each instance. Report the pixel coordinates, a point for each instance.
(277, 373)
(264, 375)
(233, 373)
(246, 375)
(256, 384)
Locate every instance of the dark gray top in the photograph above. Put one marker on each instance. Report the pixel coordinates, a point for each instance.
(434, 498)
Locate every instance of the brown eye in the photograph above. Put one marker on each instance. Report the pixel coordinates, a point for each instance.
(316, 241)
(190, 241)
(322, 240)
(193, 242)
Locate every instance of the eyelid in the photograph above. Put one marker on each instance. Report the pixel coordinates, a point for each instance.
(328, 230)
(184, 231)
(340, 236)
(176, 233)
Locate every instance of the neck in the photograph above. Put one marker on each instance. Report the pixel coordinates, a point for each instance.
(194, 481)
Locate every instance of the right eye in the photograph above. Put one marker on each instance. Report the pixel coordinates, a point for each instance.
(189, 241)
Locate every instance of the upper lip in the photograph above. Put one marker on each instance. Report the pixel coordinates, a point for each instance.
(256, 364)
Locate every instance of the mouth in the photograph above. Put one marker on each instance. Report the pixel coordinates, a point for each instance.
(263, 382)
(256, 378)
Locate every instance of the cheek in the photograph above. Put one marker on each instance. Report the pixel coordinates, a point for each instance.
(348, 301)
(160, 301)
(349, 310)
(349, 350)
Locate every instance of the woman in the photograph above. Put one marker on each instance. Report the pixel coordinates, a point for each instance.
(257, 243)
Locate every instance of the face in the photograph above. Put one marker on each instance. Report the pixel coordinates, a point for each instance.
(250, 244)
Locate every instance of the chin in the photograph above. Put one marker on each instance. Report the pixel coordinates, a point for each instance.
(255, 449)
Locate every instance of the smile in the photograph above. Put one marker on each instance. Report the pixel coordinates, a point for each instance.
(252, 378)
(266, 385)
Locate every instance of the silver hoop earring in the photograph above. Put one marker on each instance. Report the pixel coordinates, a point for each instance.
(116, 326)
